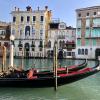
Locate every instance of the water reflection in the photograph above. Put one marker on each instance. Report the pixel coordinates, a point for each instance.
(45, 62)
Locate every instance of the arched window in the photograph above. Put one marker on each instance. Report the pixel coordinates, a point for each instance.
(20, 44)
(41, 44)
(21, 32)
(86, 51)
(27, 31)
(14, 19)
(79, 51)
(82, 51)
(63, 44)
(33, 44)
(49, 44)
(60, 44)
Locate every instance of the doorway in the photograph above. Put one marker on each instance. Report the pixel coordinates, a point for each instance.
(97, 53)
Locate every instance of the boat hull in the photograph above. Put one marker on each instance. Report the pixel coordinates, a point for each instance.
(43, 81)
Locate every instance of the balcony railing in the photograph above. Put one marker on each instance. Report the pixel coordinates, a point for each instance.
(61, 37)
(55, 20)
(96, 25)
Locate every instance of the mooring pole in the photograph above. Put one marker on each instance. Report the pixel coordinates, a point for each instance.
(55, 65)
(12, 51)
(4, 58)
(22, 62)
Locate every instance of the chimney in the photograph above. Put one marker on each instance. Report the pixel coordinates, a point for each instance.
(38, 8)
(46, 7)
(29, 8)
(18, 9)
(15, 8)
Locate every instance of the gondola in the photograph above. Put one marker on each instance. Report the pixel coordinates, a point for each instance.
(60, 70)
(38, 81)
(63, 70)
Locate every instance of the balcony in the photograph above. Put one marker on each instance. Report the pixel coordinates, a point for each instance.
(55, 20)
(96, 25)
(70, 45)
(78, 36)
(61, 37)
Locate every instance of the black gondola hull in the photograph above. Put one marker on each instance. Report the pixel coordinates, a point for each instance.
(44, 81)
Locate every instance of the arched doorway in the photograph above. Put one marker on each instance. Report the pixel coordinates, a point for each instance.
(27, 49)
(60, 54)
(51, 53)
(97, 53)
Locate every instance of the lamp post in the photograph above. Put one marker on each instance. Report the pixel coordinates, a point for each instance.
(12, 50)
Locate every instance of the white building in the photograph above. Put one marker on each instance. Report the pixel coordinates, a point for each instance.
(65, 37)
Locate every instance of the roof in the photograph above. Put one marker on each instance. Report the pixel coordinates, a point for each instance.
(88, 8)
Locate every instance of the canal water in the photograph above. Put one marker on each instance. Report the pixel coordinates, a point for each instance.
(86, 89)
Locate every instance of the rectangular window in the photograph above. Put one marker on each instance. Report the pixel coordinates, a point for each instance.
(79, 42)
(28, 18)
(79, 15)
(87, 42)
(95, 13)
(95, 32)
(68, 53)
(21, 32)
(33, 49)
(79, 23)
(98, 32)
(87, 34)
(73, 54)
(96, 21)
(33, 31)
(41, 32)
(14, 19)
(87, 22)
(78, 33)
(22, 18)
(94, 42)
(42, 18)
(79, 51)
(34, 18)
(87, 14)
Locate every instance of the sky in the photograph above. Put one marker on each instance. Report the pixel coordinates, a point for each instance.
(62, 9)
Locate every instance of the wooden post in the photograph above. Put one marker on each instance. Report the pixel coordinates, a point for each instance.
(4, 58)
(11, 56)
(55, 65)
(22, 62)
(12, 51)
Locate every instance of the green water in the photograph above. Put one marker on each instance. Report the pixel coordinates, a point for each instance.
(86, 89)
